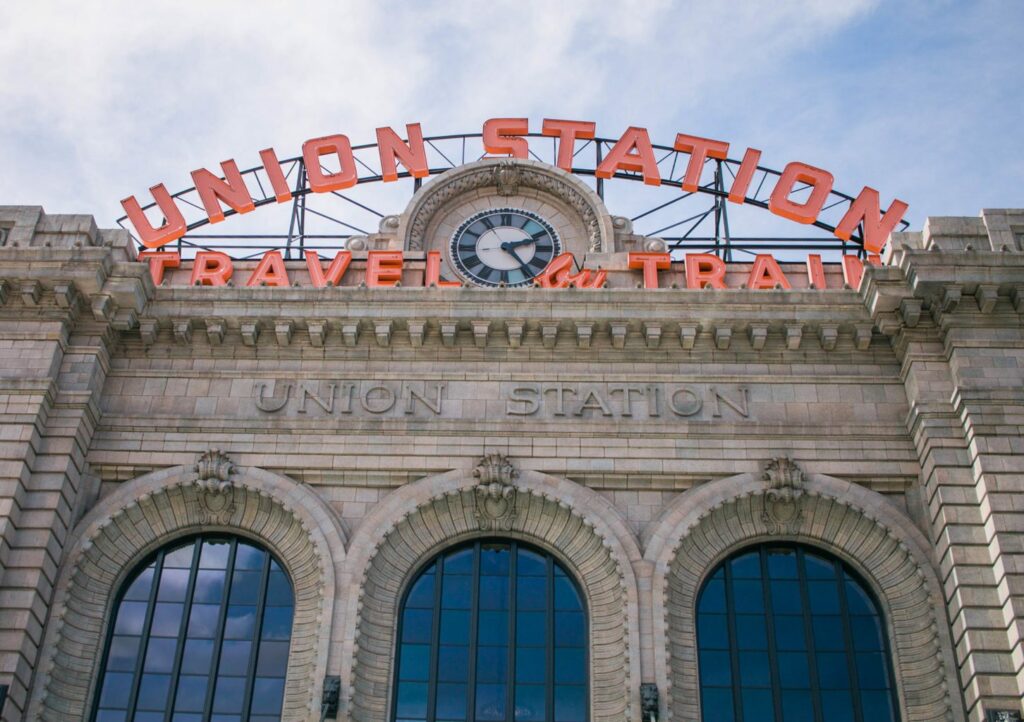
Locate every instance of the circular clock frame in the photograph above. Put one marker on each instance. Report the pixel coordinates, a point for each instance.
(500, 253)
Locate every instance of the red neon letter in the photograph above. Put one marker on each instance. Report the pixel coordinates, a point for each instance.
(231, 191)
(766, 273)
(321, 182)
(272, 166)
(853, 269)
(211, 268)
(815, 271)
(392, 148)
(432, 273)
(651, 263)
(383, 268)
(700, 149)
(558, 274)
(632, 152)
(173, 227)
(158, 261)
(704, 269)
(270, 271)
(865, 209)
(806, 212)
(745, 174)
(335, 271)
(567, 131)
(500, 137)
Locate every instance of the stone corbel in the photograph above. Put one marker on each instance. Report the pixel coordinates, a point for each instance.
(794, 334)
(986, 295)
(480, 330)
(828, 334)
(515, 329)
(448, 331)
(417, 331)
(183, 332)
(652, 334)
(723, 337)
(283, 330)
(148, 328)
(382, 332)
(862, 333)
(688, 334)
(584, 334)
(317, 331)
(758, 334)
(350, 333)
(549, 333)
(618, 332)
(125, 319)
(31, 292)
(66, 294)
(250, 332)
(5, 290)
(1016, 294)
(910, 311)
(215, 329)
(951, 299)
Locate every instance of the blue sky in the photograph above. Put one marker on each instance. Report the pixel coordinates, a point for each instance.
(922, 100)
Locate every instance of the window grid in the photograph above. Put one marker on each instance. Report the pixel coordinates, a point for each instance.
(798, 649)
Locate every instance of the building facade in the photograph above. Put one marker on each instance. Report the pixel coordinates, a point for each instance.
(458, 502)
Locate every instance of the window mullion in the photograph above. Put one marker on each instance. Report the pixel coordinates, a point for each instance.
(144, 639)
(734, 662)
(218, 637)
(474, 614)
(435, 644)
(851, 657)
(510, 665)
(769, 622)
(183, 630)
(261, 601)
(812, 658)
(549, 641)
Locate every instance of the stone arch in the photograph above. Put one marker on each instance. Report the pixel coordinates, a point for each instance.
(707, 523)
(150, 511)
(576, 524)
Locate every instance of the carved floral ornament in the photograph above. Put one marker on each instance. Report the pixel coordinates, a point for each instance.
(216, 500)
(782, 506)
(495, 494)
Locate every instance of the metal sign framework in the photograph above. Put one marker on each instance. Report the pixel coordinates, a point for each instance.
(688, 221)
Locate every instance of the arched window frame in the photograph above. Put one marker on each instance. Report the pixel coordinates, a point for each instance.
(135, 569)
(553, 561)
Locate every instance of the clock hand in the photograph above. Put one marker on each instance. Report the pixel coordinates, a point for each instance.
(505, 246)
(522, 263)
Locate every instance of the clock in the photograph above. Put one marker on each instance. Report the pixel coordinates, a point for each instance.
(503, 246)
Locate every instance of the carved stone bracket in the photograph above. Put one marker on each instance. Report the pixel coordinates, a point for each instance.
(213, 476)
(495, 495)
(784, 481)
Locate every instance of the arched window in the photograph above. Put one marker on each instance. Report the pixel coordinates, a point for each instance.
(791, 634)
(492, 631)
(200, 633)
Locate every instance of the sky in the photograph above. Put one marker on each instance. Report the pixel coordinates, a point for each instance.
(921, 100)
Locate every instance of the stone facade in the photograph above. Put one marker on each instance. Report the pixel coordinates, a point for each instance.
(638, 435)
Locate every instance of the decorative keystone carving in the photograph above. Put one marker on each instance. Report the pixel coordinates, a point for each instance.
(515, 333)
(794, 334)
(618, 331)
(31, 292)
(495, 494)
(480, 330)
(986, 296)
(350, 333)
(828, 334)
(1002, 715)
(250, 332)
(317, 331)
(214, 469)
(862, 333)
(213, 475)
(448, 330)
(183, 332)
(723, 337)
(507, 177)
(283, 330)
(549, 333)
(417, 332)
(584, 334)
(758, 333)
(66, 294)
(688, 334)
(648, 701)
(785, 483)
(382, 331)
(910, 311)
(652, 334)
(215, 331)
(148, 328)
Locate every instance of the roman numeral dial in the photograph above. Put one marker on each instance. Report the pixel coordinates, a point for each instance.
(503, 246)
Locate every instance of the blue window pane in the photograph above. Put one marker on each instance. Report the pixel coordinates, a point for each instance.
(234, 658)
(797, 707)
(191, 693)
(451, 701)
(530, 703)
(124, 652)
(566, 596)
(160, 655)
(570, 703)
(414, 659)
(569, 629)
(245, 586)
(148, 717)
(421, 596)
(872, 672)
(249, 557)
(751, 632)
(116, 689)
(712, 598)
(530, 564)
(782, 563)
(131, 617)
(180, 558)
(455, 592)
(532, 593)
(267, 694)
(493, 628)
(833, 672)
(460, 562)
(786, 597)
(824, 597)
(240, 622)
(111, 715)
(493, 593)
(453, 664)
(416, 625)
(857, 599)
(570, 665)
(228, 695)
(828, 633)
(867, 633)
(214, 554)
(757, 705)
(837, 706)
(412, 699)
(173, 585)
(530, 628)
(746, 566)
(747, 595)
(454, 627)
(166, 619)
(494, 560)
(789, 633)
(713, 631)
(273, 659)
(715, 668)
(153, 691)
(277, 623)
(202, 620)
(490, 702)
(716, 704)
(755, 670)
(209, 586)
(140, 588)
(531, 664)
(492, 664)
(818, 568)
(794, 672)
(877, 706)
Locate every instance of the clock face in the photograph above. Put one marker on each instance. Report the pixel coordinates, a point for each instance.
(505, 245)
